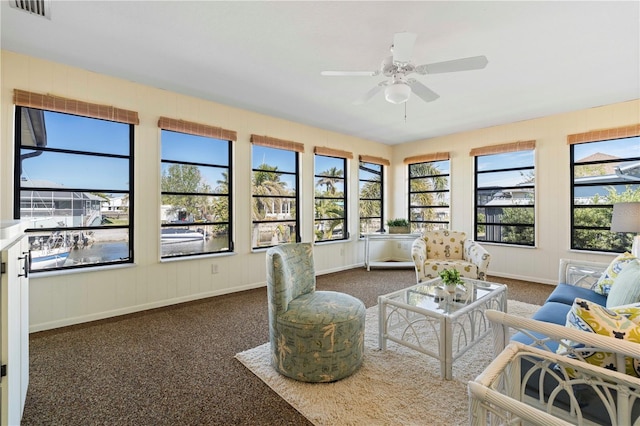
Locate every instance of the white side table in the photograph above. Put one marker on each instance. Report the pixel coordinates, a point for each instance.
(368, 238)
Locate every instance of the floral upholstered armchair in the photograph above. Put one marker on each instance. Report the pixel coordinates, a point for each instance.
(435, 251)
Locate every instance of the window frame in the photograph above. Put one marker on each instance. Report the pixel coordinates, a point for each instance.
(478, 205)
(189, 225)
(381, 173)
(78, 230)
(625, 238)
(343, 198)
(424, 225)
(296, 197)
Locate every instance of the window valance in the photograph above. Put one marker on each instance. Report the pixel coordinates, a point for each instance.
(270, 142)
(197, 129)
(604, 134)
(503, 148)
(374, 160)
(425, 158)
(321, 150)
(71, 106)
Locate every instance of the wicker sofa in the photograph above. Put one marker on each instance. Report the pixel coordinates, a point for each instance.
(543, 372)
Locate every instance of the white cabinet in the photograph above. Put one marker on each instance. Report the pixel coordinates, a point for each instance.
(368, 238)
(14, 323)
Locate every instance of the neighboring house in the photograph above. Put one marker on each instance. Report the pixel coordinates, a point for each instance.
(50, 209)
(616, 172)
(115, 206)
(171, 214)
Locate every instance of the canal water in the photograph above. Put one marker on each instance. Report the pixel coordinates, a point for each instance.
(113, 251)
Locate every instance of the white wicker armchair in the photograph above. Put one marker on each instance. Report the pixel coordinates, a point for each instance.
(435, 251)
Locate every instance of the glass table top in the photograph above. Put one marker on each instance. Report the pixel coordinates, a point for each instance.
(432, 296)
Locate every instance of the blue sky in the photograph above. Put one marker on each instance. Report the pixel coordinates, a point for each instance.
(71, 132)
(626, 148)
(504, 161)
(283, 159)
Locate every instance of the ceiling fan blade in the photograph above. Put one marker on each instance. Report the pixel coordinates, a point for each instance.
(370, 94)
(463, 64)
(422, 91)
(403, 47)
(350, 73)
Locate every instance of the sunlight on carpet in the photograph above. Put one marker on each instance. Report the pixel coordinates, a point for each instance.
(396, 386)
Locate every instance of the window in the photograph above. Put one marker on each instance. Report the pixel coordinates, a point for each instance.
(371, 183)
(429, 194)
(330, 221)
(274, 189)
(505, 194)
(603, 172)
(74, 180)
(196, 195)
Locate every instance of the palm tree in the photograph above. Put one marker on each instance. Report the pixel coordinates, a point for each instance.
(267, 191)
(327, 209)
(329, 179)
(267, 183)
(220, 206)
(370, 205)
(419, 185)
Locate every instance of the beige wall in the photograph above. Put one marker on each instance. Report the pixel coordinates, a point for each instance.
(66, 298)
(552, 184)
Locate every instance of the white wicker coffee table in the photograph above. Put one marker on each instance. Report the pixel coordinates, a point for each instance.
(442, 327)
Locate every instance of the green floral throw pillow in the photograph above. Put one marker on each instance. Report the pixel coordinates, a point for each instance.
(620, 323)
(606, 280)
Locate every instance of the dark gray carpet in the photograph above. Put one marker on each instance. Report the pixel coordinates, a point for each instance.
(176, 366)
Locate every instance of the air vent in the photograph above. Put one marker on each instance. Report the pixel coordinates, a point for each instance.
(36, 7)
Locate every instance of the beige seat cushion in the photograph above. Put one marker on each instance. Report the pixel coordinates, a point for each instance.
(432, 268)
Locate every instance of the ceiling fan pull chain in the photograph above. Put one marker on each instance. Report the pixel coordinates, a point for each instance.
(405, 112)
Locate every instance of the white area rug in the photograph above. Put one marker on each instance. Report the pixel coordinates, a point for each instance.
(398, 386)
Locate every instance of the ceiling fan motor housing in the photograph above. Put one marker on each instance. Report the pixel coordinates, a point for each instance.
(390, 68)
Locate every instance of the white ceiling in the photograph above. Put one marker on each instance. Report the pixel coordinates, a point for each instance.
(544, 57)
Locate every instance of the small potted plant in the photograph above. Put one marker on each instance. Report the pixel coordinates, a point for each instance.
(450, 280)
(398, 226)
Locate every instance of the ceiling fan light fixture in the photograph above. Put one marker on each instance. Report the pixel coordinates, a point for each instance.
(397, 93)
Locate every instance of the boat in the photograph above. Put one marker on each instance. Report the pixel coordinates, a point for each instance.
(49, 258)
(50, 253)
(180, 235)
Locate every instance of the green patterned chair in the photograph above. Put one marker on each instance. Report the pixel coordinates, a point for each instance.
(315, 336)
(435, 251)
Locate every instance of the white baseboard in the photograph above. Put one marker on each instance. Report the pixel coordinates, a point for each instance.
(137, 308)
(168, 302)
(339, 269)
(96, 316)
(523, 278)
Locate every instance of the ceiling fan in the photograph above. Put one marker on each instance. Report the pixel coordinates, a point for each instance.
(398, 88)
